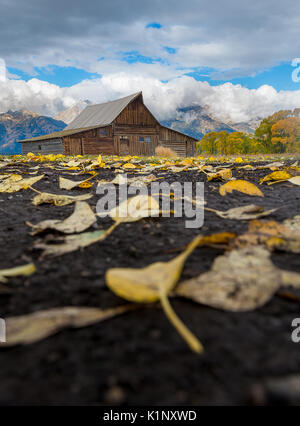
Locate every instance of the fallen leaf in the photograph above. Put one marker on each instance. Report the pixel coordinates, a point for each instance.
(154, 283)
(293, 224)
(15, 183)
(70, 184)
(271, 166)
(223, 175)
(81, 219)
(31, 328)
(268, 227)
(70, 243)
(269, 233)
(58, 200)
(248, 212)
(135, 208)
(281, 175)
(295, 180)
(85, 185)
(218, 238)
(242, 186)
(241, 280)
(129, 166)
(24, 270)
(291, 245)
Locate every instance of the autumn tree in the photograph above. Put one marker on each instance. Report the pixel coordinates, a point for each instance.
(278, 132)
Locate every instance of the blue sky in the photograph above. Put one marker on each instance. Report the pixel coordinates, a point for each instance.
(61, 76)
(279, 76)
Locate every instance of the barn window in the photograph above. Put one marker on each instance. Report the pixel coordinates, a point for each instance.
(103, 132)
(141, 139)
(147, 139)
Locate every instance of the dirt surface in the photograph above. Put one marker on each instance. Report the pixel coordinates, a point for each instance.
(138, 358)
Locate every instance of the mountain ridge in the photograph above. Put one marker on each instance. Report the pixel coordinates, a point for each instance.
(19, 125)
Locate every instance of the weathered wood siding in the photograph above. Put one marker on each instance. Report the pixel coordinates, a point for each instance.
(136, 147)
(136, 113)
(49, 146)
(90, 142)
(98, 146)
(183, 145)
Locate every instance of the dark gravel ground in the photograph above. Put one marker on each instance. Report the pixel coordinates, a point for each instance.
(138, 358)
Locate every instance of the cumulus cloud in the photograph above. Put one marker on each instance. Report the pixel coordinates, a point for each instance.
(226, 102)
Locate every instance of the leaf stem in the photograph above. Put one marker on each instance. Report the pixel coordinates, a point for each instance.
(184, 332)
(33, 189)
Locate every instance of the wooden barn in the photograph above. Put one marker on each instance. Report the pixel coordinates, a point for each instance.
(121, 127)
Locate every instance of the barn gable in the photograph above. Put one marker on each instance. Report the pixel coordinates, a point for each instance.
(101, 114)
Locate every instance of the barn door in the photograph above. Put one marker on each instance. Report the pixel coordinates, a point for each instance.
(124, 145)
(75, 146)
(189, 149)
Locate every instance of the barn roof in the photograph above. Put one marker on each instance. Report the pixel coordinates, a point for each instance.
(101, 114)
(57, 135)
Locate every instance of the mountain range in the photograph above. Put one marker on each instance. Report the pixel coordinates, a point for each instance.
(197, 120)
(193, 120)
(18, 125)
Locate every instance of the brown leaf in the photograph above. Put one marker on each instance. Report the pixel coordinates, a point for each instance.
(81, 219)
(248, 212)
(241, 280)
(70, 243)
(27, 329)
(58, 200)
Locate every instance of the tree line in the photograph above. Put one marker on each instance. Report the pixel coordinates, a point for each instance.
(278, 133)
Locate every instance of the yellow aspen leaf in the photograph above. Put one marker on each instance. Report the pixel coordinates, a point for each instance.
(85, 185)
(281, 175)
(218, 238)
(70, 184)
(24, 270)
(223, 175)
(153, 283)
(242, 186)
(15, 184)
(238, 160)
(129, 166)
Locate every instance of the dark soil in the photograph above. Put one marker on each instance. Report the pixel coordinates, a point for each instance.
(139, 358)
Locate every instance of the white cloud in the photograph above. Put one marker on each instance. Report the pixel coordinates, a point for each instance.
(226, 102)
(2, 71)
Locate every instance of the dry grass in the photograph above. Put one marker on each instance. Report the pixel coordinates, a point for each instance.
(161, 151)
